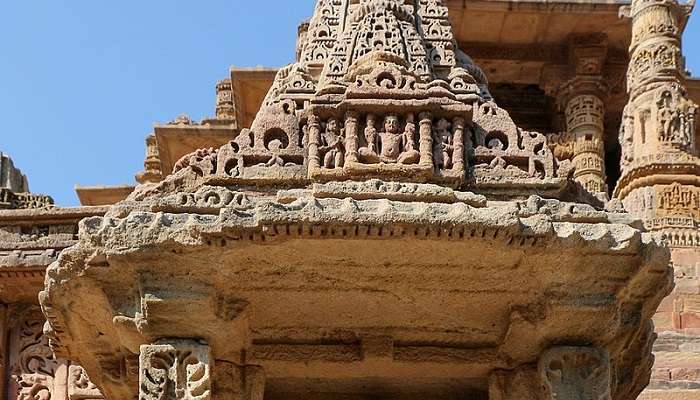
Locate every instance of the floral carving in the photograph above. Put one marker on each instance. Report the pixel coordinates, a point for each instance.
(34, 366)
(180, 370)
(79, 385)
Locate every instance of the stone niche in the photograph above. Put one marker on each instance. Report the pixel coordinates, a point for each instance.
(375, 233)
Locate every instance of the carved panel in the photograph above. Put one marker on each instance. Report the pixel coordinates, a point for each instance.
(179, 370)
(33, 368)
(393, 145)
(23, 201)
(675, 117)
(678, 200)
(79, 385)
(504, 152)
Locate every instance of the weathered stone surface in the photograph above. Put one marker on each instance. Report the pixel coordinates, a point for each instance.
(323, 292)
(382, 227)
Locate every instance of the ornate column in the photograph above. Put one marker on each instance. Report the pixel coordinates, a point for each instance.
(225, 105)
(582, 99)
(585, 111)
(660, 180)
(426, 138)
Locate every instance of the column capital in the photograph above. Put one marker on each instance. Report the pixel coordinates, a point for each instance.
(582, 85)
(588, 53)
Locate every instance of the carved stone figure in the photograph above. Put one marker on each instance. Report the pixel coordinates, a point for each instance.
(332, 147)
(444, 144)
(394, 146)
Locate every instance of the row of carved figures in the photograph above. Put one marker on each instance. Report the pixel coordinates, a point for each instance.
(386, 140)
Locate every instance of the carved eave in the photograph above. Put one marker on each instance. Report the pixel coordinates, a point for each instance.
(509, 275)
(30, 240)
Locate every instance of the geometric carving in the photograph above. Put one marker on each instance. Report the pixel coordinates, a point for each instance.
(502, 150)
(575, 373)
(585, 110)
(180, 369)
(678, 200)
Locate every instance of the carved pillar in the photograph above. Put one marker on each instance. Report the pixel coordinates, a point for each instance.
(426, 139)
(658, 133)
(176, 369)
(585, 112)
(314, 142)
(351, 136)
(225, 106)
(582, 99)
(458, 153)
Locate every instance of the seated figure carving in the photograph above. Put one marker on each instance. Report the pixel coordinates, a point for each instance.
(394, 147)
(332, 150)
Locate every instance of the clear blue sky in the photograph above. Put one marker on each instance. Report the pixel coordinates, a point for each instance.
(83, 81)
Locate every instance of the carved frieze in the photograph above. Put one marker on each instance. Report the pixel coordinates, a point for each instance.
(23, 201)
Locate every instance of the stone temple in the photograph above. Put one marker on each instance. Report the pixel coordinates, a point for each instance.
(438, 199)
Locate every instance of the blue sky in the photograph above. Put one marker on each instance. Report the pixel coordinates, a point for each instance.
(83, 81)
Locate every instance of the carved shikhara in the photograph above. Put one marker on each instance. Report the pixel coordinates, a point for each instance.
(177, 369)
(381, 90)
(575, 373)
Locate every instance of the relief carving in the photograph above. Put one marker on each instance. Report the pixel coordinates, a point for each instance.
(675, 118)
(33, 366)
(179, 370)
(79, 385)
(389, 146)
(678, 200)
(575, 373)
